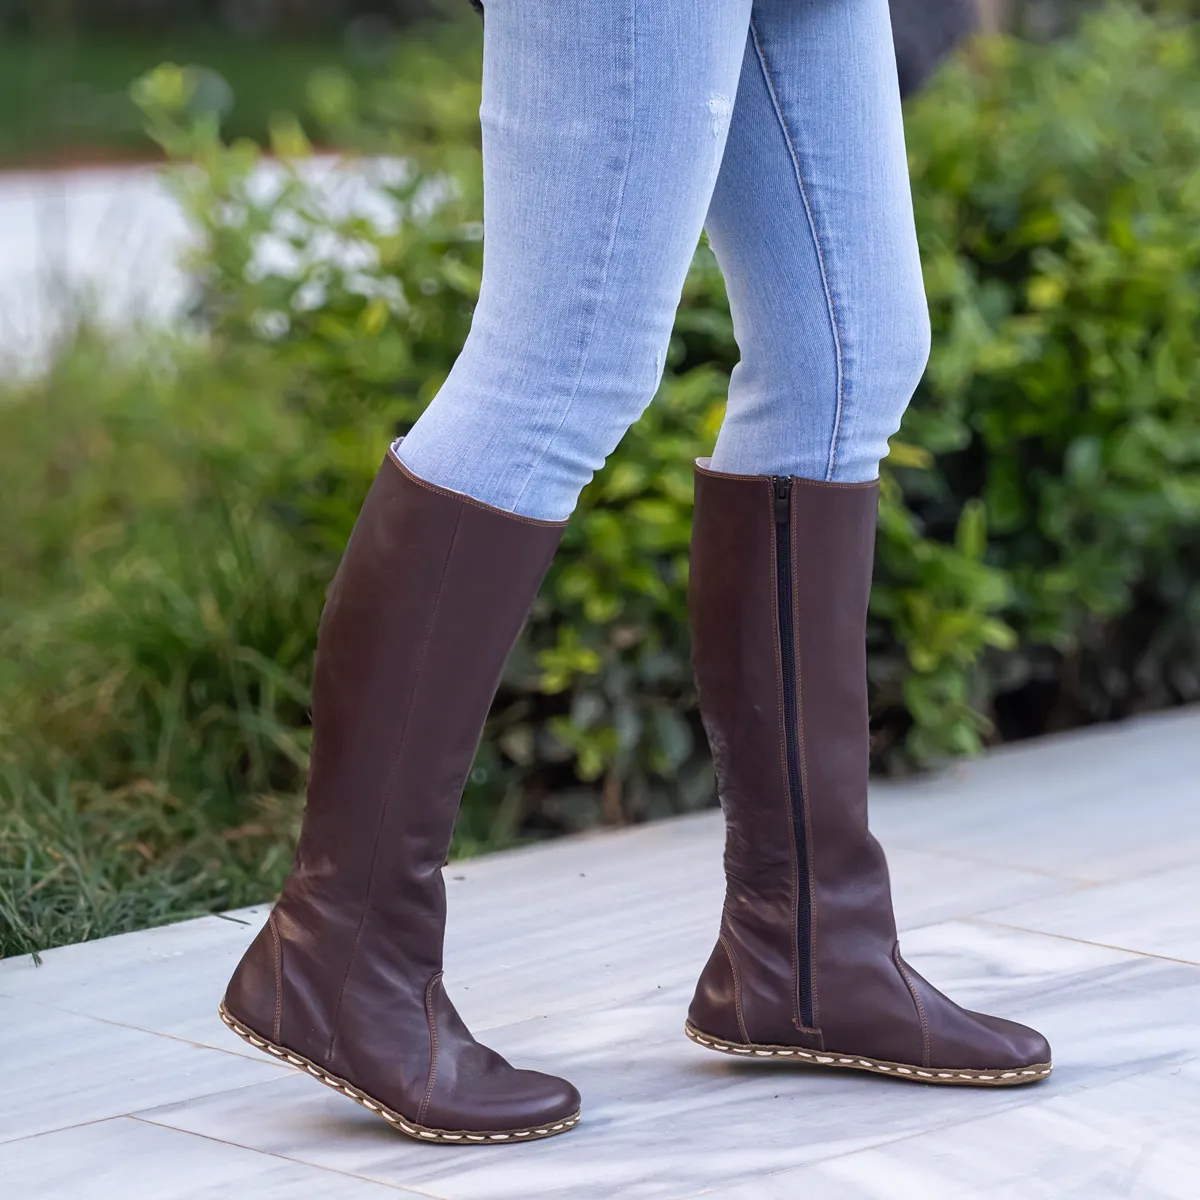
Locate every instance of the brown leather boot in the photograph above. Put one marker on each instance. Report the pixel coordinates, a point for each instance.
(807, 966)
(345, 978)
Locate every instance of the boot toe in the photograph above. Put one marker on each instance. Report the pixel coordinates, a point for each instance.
(504, 1101)
(1011, 1044)
(965, 1040)
(544, 1098)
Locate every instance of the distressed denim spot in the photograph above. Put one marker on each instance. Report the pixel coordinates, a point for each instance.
(719, 108)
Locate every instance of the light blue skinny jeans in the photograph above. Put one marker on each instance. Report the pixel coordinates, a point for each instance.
(613, 131)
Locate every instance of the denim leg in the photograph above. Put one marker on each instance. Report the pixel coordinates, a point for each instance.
(604, 125)
(812, 223)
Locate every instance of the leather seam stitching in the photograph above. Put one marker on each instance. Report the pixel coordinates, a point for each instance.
(737, 988)
(833, 483)
(433, 1048)
(927, 1057)
(387, 790)
(800, 479)
(278, 976)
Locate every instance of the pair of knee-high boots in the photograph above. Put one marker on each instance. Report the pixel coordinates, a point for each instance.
(345, 979)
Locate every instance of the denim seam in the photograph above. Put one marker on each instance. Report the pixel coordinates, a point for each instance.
(618, 213)
(812, 225)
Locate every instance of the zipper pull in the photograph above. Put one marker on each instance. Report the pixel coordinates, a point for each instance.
(783, 499)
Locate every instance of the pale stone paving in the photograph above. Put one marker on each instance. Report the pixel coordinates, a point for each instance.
(1057, 883)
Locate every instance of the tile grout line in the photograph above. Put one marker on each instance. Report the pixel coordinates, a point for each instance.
(171, 1037)
(29, 1137)
(137, 1112)
(1066, 937)
(236, 1052)
(1142, 876)
(1149, 873)
(974, 860)
(208, 1137)
(241, 1087)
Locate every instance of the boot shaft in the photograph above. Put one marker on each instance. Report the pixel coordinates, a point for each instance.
(426, 604)
(781, 577)
(807, 964)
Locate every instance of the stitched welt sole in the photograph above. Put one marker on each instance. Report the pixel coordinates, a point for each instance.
(1006, 1077)
(420, 1132)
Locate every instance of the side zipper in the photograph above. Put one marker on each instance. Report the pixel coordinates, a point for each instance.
(784, 568)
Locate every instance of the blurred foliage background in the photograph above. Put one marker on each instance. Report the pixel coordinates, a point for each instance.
(174, 508)
(65, 65)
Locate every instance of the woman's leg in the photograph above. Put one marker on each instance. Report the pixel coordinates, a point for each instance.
(812, 223)
(604, 126)
(813, 226)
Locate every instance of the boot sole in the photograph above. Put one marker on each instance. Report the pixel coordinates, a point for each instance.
(1007, 1077)
(421, 1132)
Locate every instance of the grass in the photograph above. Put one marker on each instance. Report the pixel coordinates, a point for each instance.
(160, 589)
(156, 625)
(79, 863)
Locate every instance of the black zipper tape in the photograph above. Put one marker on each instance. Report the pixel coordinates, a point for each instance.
(784, 568)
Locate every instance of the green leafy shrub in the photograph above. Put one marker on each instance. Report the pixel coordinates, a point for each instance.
(162, 569)
(1058, 198)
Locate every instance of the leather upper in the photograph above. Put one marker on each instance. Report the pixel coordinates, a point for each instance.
(864, 998)
(425, 606)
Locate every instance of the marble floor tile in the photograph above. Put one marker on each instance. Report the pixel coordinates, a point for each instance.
(1158, 913)
(663, 1118)
(1138, 1138)
(647, 918)
(1106, 1012)
(1023, 887)
(60, 1069)
(660, 1117)
(631, 911)
(167, 980)
(127, 1159)
(1104, 803)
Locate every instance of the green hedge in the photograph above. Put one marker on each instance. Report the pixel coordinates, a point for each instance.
(162, 567)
